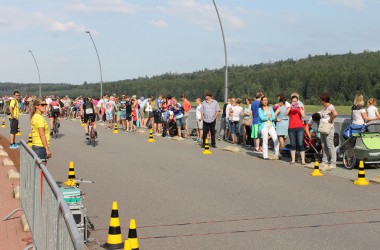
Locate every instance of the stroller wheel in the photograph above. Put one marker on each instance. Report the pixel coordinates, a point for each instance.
(349, 158)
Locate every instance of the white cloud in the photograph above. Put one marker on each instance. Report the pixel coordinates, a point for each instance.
(109, 6)
(12, 19)
(355, 4)
(202, 14)
(66, 26)
(159, 23)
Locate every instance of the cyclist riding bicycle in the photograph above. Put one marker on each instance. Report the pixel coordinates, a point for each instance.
(55, 111)
(88, 113)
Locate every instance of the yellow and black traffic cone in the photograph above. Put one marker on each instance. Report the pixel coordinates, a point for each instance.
(115, 129)
(151, 139)
(71, 178)
(316, 171)
(18, 131)
(114, 240)
(127, 244)
(361, 181)
(207, 148)
(82, 124)
(3, 123)
(30, 140)
(132, 235)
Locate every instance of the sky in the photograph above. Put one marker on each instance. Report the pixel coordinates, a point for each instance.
(138, 38)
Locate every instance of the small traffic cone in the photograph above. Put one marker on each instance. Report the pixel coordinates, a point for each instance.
(114, 240)
(82, 124)
(316, 171)
(30, 140)
(207, 148)
(3, 124)
(151, 136)
(115, 129)
(361, 181)
(132, 235)
(18, 131)
(127, 244)
(71, 178)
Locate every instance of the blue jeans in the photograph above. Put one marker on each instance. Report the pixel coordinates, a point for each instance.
(296, 138)
(234, 127)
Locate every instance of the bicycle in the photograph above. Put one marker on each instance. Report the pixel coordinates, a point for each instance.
(55, 127)
(91, 134)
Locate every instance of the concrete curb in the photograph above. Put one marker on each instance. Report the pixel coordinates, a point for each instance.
(13, 175)
(16, 193)
(232, 149)
(8, 163)
(24, 223)
(3, 153)
(177, 138)
(375, 179)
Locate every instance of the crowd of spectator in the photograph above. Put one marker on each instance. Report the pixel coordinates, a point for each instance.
(252, 122)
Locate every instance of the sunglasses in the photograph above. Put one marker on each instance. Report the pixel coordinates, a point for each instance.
(43, 104)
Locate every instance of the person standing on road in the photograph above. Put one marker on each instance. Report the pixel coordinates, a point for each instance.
(267, 127)
(255, 121)
(295, 130)
(40, 131)
(209, 112)
(14, 111)
(199, 122)
(328, 114)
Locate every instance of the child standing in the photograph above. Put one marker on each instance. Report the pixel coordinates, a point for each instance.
(372, 109)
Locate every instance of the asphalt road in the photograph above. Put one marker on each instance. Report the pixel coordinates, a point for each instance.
(182, 199)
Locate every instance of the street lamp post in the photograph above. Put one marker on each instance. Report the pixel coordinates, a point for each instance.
(225, 55)
(39, 76)
(100, 66)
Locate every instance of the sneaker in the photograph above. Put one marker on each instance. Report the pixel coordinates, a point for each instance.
(14, 146)
(275, 157)
(219, 138)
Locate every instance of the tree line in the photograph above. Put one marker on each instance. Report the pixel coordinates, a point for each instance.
(343, 76)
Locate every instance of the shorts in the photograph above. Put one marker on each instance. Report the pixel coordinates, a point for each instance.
(14, 126)
(199, 124)
(180, 121)
(142, 113)
(56, 114)
(234, 127)
(135, 123)
(40, 152)
(109, 116)
(123, 116)
(89, 117)
(255, 131)
(128, 117)
(157, 119)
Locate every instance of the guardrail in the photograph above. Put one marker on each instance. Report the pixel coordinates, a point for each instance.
(48, 215)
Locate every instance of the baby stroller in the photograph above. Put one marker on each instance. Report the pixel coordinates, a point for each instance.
(362, 146)
(313, 148)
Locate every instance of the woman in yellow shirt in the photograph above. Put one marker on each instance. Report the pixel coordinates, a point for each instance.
(40, 130)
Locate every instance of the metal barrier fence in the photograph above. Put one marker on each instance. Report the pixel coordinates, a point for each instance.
(48, 215)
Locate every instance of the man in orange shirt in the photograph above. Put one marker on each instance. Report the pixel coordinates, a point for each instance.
(186, 107)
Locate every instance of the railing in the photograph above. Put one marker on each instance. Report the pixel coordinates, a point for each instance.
(49, 217)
